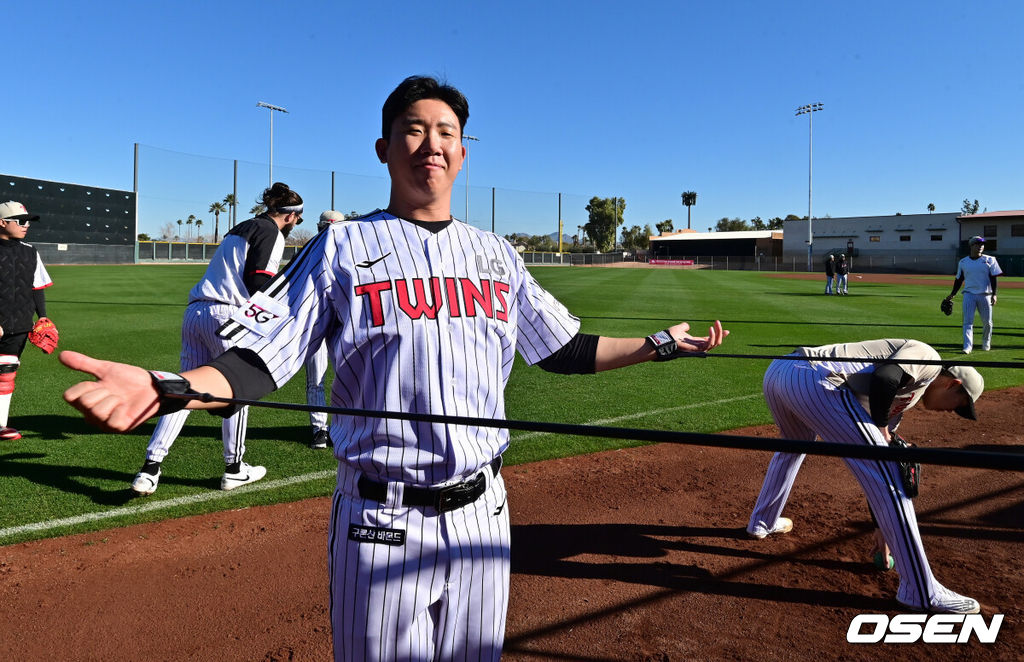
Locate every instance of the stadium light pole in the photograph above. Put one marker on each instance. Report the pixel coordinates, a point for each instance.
(809, 110)
(466, 136)
(272, 108)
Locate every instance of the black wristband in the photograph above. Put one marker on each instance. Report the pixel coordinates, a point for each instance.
(664, 344)
(170, 383)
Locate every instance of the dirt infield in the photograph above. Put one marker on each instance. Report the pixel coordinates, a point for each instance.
(636, 554)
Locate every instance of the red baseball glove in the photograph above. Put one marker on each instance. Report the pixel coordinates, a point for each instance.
(44, 335)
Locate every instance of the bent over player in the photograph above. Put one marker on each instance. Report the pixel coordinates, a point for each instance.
(978, 274)
(862, 402)
(422, 314)
(23, 279)
(246, 259)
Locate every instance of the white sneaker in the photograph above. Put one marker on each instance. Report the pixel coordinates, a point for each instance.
(782, 525)
(948, 602)
(145, 484)
(967, 351)
(246, 474)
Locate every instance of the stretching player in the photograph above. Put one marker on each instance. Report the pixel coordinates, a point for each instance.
(423, 314)
(22, 281)
(978, 274)
(863, 403)
(246, 260)
(316, 366)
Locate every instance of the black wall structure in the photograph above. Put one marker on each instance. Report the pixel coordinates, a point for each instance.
(78, 224)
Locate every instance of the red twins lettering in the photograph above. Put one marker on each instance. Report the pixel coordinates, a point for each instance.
(460, 296)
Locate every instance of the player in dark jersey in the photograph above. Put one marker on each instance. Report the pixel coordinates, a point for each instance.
(245, 261)
(22, 281)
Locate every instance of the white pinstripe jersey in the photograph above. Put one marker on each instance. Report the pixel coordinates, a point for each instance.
(415, 321)
(857, 376)
(976, 273)
(252, 247)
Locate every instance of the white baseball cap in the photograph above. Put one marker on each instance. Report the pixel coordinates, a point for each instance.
(973, 383)
(328, 217)
(16, 211)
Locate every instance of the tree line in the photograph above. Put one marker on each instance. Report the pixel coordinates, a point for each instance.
(605, 217)
(229, 205)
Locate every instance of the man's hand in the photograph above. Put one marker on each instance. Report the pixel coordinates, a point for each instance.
(121, 398)
(687, 343)
(993, 299)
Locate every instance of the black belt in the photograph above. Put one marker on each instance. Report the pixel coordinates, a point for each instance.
(443, 499)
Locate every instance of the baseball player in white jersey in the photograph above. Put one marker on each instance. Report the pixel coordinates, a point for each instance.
(246, 259)
(422, 314)
(863, 403)
(316, 366)
(977, 273)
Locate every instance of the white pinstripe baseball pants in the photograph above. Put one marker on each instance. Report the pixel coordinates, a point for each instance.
(200, 344)
(316, 371)
(806, 406)
(441, 595)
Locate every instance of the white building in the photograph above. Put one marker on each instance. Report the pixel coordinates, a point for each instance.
(928, 243)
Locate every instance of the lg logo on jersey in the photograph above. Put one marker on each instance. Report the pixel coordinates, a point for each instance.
(490, 266)
(908, 628)
(463, 297)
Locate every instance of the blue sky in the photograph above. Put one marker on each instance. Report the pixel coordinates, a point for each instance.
(644, 100)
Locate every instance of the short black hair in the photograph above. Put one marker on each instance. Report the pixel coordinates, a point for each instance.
(415, 88)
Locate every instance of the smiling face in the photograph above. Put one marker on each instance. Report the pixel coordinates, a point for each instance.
(977, 250)
(424, 155)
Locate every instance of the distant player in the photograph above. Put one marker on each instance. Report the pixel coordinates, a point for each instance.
(853, 402)
(316, 366)
(830, 273)
(979, 275)
(842, 274)
(245, 261)
(23, 279)
(423, 314)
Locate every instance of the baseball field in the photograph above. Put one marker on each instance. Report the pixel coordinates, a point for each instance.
(602, 542)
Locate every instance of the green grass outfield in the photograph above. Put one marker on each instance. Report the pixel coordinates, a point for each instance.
(66, 477)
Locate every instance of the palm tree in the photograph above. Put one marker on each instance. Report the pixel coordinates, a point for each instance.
(217, 208)
(199, 224)
(189, 222)
(931, 207)
(258, 209)
(179, 228)
(232, 202)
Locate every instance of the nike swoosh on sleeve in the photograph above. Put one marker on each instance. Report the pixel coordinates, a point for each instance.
(366, 264)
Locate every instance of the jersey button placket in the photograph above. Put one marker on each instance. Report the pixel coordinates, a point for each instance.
(433, 250)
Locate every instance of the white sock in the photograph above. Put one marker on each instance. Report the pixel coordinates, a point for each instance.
(5, 408)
